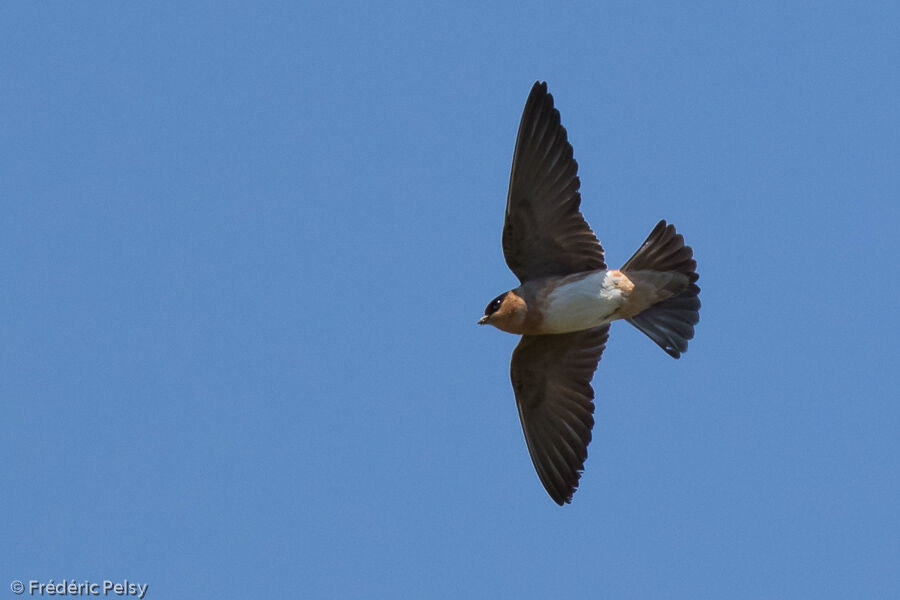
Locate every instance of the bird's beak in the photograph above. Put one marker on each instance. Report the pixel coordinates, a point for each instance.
(483, 320)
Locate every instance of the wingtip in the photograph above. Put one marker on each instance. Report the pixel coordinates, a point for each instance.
(557, 497)
(569, 494)
(539, 88)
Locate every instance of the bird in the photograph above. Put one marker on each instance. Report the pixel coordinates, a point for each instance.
(567, 297)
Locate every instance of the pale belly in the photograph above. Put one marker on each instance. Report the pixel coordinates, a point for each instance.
(582, 303)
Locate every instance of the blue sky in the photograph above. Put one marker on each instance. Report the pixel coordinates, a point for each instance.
(245, 245)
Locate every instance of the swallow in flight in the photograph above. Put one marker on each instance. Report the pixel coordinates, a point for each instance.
(568, 297)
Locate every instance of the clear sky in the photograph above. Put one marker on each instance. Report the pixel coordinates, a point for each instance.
(244, 247)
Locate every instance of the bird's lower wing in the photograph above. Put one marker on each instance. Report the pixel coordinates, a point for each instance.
(551, 376)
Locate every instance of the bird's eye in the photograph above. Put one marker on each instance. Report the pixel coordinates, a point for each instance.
(494, 306)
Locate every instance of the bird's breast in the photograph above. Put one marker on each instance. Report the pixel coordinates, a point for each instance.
(583, 301)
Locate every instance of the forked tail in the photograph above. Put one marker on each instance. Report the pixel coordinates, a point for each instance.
(669, 323)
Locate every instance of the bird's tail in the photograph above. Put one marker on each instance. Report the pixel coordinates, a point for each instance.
(669, 323)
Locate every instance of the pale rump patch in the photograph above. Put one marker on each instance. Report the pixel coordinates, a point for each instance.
(621, 281)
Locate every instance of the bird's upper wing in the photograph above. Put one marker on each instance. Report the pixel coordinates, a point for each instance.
(544, 233)
(551, 376)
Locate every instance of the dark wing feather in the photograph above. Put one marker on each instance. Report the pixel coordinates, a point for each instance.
(544, 233)
(551, 376)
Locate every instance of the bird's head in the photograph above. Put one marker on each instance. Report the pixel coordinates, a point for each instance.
(506, 312)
